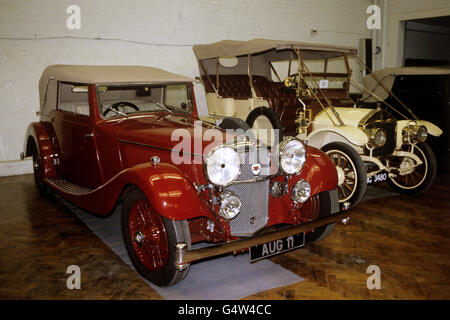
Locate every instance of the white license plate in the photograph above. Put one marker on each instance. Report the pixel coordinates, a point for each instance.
(265, 250)
(376, 178)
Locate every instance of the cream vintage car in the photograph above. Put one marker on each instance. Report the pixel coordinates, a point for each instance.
(303, 89)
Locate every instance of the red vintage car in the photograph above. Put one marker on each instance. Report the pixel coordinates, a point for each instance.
(129, 135)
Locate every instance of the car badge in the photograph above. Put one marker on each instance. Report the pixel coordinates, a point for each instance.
(256, 168)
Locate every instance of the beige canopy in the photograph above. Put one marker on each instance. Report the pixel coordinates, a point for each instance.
(387, 76)
(233, 48)
(101, 74)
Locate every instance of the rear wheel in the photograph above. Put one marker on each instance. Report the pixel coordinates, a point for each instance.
(352, 175)
(414, 180)
(150, 240)
(38, 171)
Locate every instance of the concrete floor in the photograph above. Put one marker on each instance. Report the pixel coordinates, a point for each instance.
(407, 237)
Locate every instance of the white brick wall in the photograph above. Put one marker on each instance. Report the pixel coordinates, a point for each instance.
(171, 25)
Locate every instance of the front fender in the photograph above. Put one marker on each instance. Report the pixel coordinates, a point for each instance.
(433, 129)
(167, 188)
(169, 191)
(319, 171)
(347, 134)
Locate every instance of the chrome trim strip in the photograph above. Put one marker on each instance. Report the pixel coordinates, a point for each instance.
(157, 147)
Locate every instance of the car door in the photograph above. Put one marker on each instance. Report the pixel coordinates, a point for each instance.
(74, 131)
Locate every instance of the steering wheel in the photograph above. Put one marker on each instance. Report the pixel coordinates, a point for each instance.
(120, 104)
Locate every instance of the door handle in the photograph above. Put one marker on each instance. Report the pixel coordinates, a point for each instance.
(89, 135)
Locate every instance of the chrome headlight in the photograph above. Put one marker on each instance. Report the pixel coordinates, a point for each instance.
(422, 134)
(292, 156)
(377, 137)
(414, 133)
(230, 205)
(222, 166)
(301, 191)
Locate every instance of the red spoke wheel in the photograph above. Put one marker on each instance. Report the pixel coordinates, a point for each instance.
(150, 239)
(148, 235)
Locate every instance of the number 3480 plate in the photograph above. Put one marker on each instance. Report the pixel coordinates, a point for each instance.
(376, 178)
(269, 249)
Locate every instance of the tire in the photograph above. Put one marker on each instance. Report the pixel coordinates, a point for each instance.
(155, 262)
(326, 203)
(38, 172)
(237, 124)
(425, 173)
(271, 116)
(352, 175)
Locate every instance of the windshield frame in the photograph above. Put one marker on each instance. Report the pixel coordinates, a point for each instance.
(173, 110)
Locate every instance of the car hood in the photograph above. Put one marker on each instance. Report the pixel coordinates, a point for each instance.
(166, 131)
(350, 116)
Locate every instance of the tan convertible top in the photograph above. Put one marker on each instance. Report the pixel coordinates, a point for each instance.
(234, 48)
(104, 74)
(387, 76)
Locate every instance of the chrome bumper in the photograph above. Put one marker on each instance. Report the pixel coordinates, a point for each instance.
(184, 257)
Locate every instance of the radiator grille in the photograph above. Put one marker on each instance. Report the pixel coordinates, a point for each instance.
(254, 195)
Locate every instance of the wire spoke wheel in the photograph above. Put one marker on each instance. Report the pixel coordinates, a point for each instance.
(412, 178)
(351, 172)
(150, 239)
(346, 170)
(148, 235)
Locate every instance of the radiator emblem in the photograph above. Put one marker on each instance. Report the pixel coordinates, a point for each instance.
(256, 168)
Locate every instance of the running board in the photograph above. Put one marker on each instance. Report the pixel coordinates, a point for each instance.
(67, 187)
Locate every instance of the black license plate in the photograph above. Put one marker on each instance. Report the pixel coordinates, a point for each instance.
(377, 178)
(262, 251)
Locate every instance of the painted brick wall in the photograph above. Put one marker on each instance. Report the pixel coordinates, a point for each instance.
(148, 32)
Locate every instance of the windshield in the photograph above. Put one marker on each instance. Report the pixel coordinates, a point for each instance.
(325, 73)
(126, 99)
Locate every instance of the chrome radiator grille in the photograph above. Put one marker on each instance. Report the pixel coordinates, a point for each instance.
(254, 195)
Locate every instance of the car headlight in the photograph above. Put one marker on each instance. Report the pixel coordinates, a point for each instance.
(292, 156)
(230, 205)
(301, 191)
(222, 166)
(414, 134)
(422, 134)
(377, 137)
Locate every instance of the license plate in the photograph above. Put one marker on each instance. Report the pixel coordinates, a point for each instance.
(376, 178)
(265, 250)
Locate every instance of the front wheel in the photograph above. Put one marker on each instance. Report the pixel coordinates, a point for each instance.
(352, 175)
(150, 240)
(411, 179)
(328, 204)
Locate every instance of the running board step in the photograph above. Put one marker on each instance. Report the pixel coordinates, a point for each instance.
(68, 187)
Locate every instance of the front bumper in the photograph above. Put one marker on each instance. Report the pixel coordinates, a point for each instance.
(184, 257)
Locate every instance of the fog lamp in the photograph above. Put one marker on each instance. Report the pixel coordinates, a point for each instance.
(230, 205)
(301, 191)
(277, 189)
